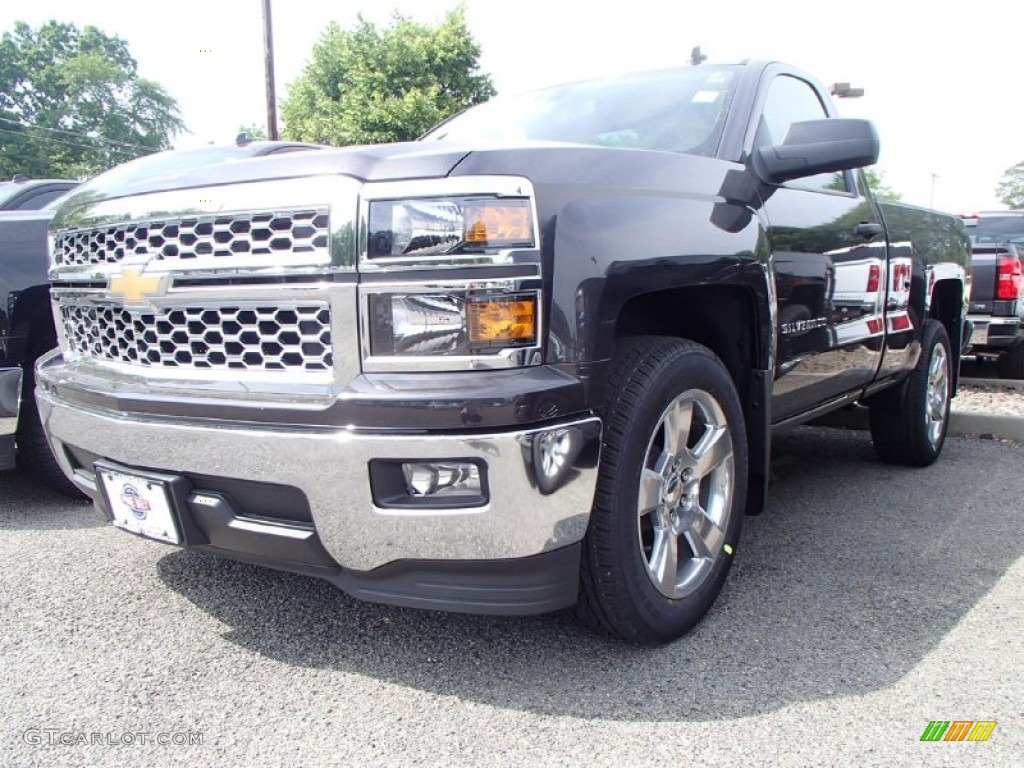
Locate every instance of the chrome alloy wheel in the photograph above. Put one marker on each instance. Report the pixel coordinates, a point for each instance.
(686, 491)
(937, 397)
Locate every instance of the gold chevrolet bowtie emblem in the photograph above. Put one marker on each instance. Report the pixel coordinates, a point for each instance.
(133, 287)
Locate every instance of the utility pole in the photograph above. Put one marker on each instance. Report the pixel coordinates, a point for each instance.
(931, 198)
(268, 54)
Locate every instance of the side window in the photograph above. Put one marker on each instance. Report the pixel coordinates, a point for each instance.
(789, 101)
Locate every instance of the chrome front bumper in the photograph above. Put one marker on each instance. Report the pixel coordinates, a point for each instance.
(331, 468)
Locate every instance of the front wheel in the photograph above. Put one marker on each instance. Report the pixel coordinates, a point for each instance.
(671, 492)
(34, 452)
(908, 425)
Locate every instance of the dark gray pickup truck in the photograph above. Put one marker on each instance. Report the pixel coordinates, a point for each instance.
(531, 361)
(997, 289)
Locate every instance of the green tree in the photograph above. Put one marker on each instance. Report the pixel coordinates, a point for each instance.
(1011, 189)
(371, 85)
(879, 189)
(254, 131)
(72, 103)
(876, 183)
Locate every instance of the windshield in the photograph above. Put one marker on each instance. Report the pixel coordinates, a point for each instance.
(998, 229)
(680, 110)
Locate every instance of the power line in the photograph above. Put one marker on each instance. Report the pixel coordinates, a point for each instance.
(78, 135)
(120, 152)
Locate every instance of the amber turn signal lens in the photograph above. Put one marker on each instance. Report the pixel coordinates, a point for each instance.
(504, 223)
(502, 320)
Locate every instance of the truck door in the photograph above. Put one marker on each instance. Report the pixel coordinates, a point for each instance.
(830, 263)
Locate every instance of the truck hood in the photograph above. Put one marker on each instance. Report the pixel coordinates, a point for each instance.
(548, 164)
(171, 171)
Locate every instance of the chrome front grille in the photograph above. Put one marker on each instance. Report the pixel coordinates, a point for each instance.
(252, 337)
(213, 235)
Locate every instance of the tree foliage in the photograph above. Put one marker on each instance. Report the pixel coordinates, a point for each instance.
(879, 189)
(72, 103)
(1011, 189)
(370, 85)
(254, 131)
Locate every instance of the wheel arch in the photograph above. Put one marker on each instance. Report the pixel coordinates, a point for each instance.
(727, 319)
(947, 306)
(724, 318)
(33, 331)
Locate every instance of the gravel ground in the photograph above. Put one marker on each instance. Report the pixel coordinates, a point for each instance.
(999, 398)
(867, 601)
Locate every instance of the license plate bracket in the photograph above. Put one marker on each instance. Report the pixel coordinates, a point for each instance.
(144, 503)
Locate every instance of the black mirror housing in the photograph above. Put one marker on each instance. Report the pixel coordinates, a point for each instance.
(818, 146)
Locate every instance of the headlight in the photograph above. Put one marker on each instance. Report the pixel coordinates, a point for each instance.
(436, 227)
(450, 275)
(451, 323)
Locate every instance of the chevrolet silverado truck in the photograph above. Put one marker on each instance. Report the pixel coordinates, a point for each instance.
(531, 361)
(997, 289)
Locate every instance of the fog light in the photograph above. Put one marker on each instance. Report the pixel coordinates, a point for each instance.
(422, 485)
(442, 480)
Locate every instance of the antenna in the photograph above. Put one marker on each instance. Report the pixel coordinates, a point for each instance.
(696, 57)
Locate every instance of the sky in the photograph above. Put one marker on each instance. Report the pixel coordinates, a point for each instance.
(942, 83)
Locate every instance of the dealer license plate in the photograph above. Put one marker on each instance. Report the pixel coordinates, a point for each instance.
(140, 504)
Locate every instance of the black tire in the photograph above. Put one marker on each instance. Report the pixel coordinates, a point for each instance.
(1011, 362)
(909, 424)
(34, 453)
(618, 594)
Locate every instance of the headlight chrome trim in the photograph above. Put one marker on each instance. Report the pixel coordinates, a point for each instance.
(440, 189)
(511, 357)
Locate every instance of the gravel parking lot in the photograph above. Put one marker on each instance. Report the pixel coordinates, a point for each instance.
(866, 602)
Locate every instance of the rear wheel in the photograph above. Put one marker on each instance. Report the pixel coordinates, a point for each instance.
(671, 492)
(1011, 362)
(908, 425)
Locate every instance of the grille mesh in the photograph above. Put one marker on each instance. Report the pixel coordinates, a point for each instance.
(221, 236)
(255, 338)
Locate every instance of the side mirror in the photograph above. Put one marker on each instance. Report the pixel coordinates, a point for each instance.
(818, 146)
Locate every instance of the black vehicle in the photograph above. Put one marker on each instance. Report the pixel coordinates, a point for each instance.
(26, 318)
(997, 288)
(26, 332)
(531, 361)
(24, 194)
